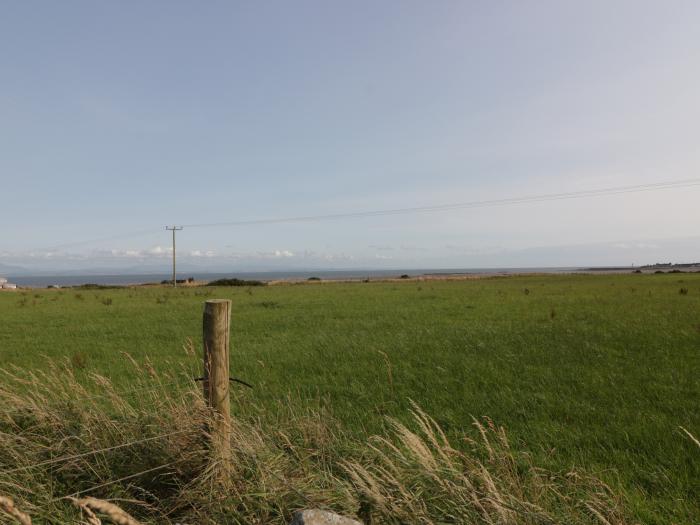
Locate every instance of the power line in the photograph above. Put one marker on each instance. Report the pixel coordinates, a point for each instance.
(141, 233)
(418, 209)
(461, 205)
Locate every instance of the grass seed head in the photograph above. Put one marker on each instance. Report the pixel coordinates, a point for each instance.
(7, 505)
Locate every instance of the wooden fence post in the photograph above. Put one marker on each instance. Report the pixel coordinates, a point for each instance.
(216, 328)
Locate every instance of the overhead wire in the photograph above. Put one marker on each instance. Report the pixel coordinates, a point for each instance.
(460, 205)
(112, 393)
(616, 190)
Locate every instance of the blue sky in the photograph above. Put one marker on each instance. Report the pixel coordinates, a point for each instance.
(120, 117)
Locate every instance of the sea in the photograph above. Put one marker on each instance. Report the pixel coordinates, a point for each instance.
(43, 281)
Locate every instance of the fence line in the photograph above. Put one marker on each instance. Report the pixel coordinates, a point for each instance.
(216, 392)
(97, 396)
(93, 452)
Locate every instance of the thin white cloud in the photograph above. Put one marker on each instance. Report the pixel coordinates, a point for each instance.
(200, 253)
(159, 250)
(276, 254)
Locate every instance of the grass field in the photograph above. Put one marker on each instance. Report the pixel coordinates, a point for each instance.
(593, 372)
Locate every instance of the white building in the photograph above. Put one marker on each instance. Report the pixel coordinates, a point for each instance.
(5, 285)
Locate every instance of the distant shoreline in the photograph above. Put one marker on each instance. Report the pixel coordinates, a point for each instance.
(43, 281)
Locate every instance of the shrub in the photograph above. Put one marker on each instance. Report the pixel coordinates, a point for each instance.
(177, 281)
(92, 286)
(235, 282)
(405, 276)
(314, 279)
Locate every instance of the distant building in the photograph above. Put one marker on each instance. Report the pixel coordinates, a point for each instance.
(5, 285)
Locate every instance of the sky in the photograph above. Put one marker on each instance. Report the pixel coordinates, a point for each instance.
(118, 118)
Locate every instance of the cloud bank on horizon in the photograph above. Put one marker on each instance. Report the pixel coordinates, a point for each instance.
(122, 118)
(157, 259)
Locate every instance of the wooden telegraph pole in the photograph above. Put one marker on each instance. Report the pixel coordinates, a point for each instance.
(174, 229)
(216, 328)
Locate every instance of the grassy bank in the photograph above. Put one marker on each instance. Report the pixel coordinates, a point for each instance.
(594, 373)
(60, 447)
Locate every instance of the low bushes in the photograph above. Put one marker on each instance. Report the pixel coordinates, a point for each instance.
(235, 282)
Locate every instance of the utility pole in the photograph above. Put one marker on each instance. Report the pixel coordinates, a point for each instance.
(174, 229)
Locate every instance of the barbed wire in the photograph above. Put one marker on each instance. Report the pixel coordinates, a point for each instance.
(131, 476)
(132, 391)
(92, 452)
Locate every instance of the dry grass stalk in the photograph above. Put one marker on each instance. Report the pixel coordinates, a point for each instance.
(282, 459)
(389, 373)
(691, 436)
(417, 477)
(44, 416)
(188, 347)
(92, 518)
(113, 512)
(7, 505)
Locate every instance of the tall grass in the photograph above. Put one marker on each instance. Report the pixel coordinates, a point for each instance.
(600, 385)
(282, 460)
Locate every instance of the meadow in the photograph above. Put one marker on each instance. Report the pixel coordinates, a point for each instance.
(589, 372)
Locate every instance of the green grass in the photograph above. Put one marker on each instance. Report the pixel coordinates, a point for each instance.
(592, 372)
